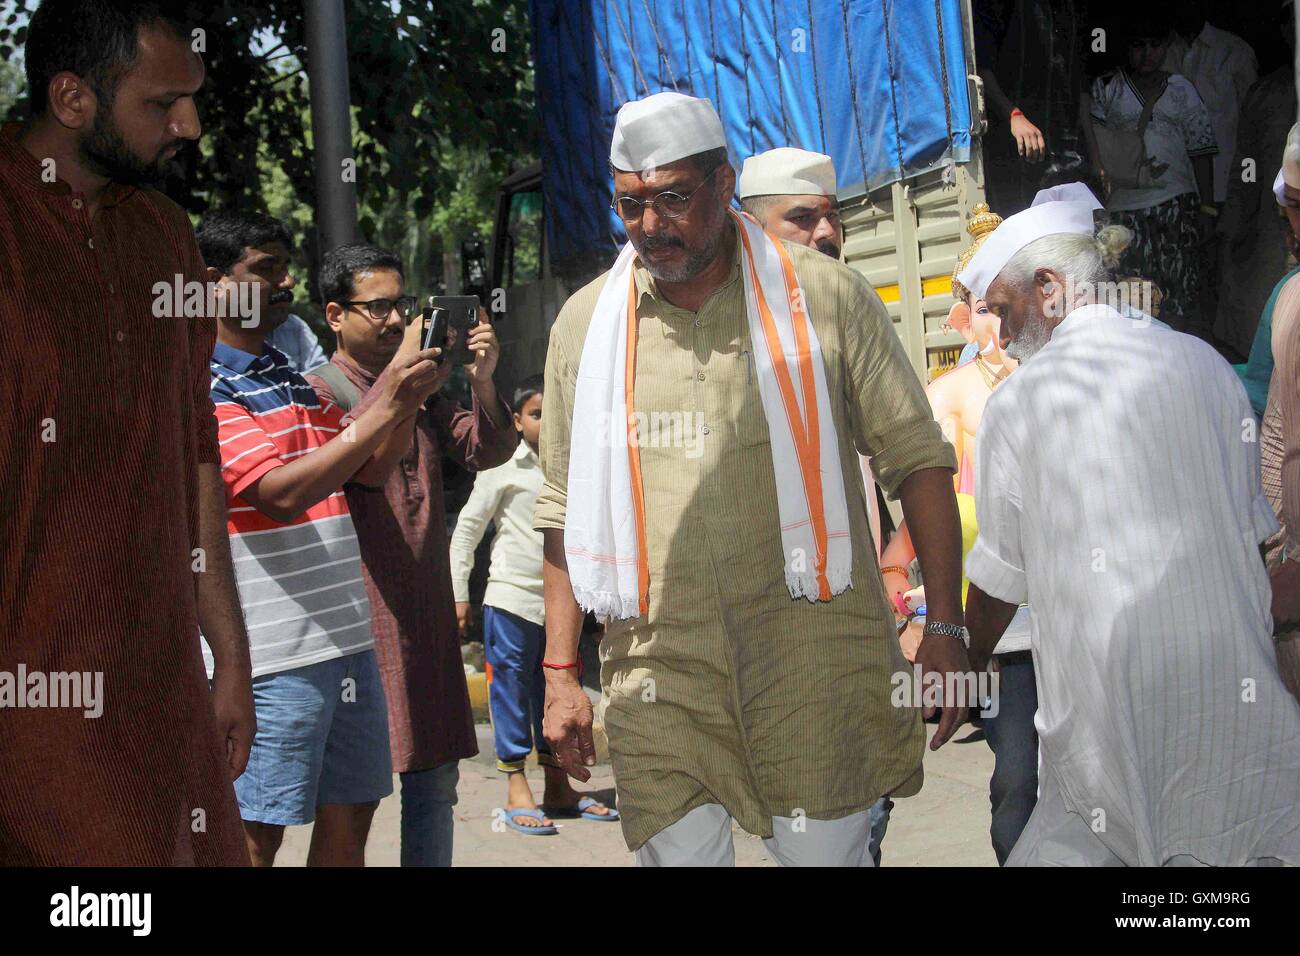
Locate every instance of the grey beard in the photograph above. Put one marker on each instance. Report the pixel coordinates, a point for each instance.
(1028, 343)
(692, 265)
(695, 261)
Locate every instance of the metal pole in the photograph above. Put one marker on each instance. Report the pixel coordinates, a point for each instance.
(331, 123)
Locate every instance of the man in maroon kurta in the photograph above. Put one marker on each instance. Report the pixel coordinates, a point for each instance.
(114, 548)
(404, 545)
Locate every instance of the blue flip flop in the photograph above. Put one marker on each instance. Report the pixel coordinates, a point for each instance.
(572, 813)
(586, 802)
(536, 813)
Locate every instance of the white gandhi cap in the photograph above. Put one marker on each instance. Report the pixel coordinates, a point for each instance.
(1289, 174)
(1067, 192)
(1049, 217)
(662, 129)
(786, 171)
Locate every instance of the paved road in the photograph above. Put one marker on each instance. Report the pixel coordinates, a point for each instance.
(946, 824)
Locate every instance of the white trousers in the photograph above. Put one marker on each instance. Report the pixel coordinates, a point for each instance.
(703, 838)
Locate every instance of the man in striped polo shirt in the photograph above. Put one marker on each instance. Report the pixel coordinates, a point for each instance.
(321, 751)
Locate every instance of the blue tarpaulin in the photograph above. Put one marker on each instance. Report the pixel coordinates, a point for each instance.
(879, 85)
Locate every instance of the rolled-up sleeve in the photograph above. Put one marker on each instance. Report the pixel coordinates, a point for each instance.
(470, 436)
(996, 564)
(891, 419)
(557, 425)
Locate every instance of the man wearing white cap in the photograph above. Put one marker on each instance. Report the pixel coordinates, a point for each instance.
(1119, 494)
(791, 192)
(705, 403)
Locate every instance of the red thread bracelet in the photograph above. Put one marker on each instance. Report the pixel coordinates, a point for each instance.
(1017, 113)
(565, 667)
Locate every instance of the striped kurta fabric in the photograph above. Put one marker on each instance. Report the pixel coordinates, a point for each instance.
(105, 419)
(402, 531)
(1120, 496)
(729, 691)
(300, 582)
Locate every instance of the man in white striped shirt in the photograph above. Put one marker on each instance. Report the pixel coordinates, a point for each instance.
(1119, 496)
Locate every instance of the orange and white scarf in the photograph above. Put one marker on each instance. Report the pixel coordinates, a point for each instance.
(605, 524)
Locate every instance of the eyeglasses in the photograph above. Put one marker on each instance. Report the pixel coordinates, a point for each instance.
(379, 309)
(668, 204)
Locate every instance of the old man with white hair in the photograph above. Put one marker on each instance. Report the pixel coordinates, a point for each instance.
(1119, 496)
(706, 400)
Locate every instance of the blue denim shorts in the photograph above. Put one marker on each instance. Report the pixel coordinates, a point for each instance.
(322, 737)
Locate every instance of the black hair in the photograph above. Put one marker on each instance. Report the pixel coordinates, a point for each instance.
(709, 160)
(224, 236)
(98, 40)
(1145, 25)
(339, 269)
(532, 385)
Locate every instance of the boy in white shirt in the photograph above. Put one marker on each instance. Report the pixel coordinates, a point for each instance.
(514, 621)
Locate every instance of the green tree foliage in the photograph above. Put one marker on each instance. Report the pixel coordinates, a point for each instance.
(11, 88)
(442, 104)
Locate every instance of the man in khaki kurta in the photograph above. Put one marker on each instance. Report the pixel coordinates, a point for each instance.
(730, 696)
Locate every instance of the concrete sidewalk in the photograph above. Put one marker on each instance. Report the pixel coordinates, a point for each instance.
(946, 824)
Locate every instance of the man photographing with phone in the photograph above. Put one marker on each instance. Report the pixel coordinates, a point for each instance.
(403, 530)
(286, 455)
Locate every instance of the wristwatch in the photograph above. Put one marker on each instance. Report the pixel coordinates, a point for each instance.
(947, 630)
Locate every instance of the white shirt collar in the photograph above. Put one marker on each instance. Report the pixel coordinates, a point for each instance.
(1101, 310)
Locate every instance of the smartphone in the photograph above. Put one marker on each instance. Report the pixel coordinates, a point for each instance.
(462, 313)
(436, 327)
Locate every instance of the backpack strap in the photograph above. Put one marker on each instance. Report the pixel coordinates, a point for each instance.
(346, 395)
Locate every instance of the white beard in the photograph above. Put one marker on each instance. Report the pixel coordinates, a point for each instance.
(1027, 344)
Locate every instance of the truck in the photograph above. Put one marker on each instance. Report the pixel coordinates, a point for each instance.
(886, 88)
